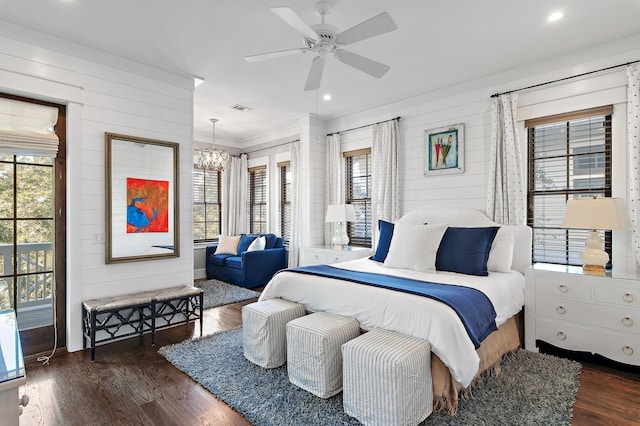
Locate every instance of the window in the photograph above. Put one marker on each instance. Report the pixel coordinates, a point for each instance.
(284, 171)
(258, 200)
(569, 157)
(207, 211)
(358, 193)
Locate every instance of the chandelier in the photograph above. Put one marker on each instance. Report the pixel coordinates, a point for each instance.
(211, 158)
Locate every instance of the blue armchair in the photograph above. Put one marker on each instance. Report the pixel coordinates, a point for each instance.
(248, 269)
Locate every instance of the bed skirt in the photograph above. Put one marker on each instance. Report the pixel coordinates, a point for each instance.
(446, 391)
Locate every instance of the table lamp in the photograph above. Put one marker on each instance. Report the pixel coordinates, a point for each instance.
(595, 214)
(340, 214)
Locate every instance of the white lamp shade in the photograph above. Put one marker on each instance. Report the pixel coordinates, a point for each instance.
(340, 213)
(595, 213)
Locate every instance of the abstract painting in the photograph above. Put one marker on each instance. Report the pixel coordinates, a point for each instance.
(147, 205)
(444, 151)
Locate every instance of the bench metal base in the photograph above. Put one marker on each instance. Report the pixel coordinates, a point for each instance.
(139, 319)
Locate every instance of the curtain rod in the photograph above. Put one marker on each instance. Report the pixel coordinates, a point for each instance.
(565, 78)
(269, 147)
(362, 127)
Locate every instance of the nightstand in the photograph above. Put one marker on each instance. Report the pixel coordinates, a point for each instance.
(570, 309)
(328, 254)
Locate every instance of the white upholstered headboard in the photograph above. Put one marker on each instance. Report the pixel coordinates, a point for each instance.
(461, 217)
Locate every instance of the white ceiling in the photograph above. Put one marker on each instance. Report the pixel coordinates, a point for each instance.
(438, 44)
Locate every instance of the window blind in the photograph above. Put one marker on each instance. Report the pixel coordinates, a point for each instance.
(358, 194)
(258, 199)
(28, 128)
(569, 157)
(207, 211)
(285, 201)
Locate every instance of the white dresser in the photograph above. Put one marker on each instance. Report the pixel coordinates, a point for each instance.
(12, 373)
(573, 310)
(328, 254)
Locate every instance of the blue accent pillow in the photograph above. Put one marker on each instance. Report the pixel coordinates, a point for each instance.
(384, 241)
(271, 241)
(466, 250)
(245, 242)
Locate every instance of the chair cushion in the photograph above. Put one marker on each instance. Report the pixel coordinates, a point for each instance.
(218, 259)
(234, 262)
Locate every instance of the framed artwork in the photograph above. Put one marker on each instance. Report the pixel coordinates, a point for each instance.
(141, 187)
(444, 150)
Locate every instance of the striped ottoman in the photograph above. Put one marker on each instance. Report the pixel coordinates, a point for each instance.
(264, 338)
(387, 378)
(314, 361)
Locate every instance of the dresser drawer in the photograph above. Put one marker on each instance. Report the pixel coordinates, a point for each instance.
(563, 285)
(610, 317)
(617, 293)
(623, 348)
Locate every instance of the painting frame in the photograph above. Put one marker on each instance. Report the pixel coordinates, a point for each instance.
(131, 214)
(444, 150)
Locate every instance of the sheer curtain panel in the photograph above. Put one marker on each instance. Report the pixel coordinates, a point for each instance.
(633, 135)
(333, 190)
(506, 200)
(234, 196)
(296, 218)
(385, 189)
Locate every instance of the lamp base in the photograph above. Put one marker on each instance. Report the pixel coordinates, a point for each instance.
(340, 238)
(594, 270)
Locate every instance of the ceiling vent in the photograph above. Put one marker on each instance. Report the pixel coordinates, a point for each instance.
(242, 108)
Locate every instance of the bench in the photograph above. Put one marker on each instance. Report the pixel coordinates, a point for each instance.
(117, 317)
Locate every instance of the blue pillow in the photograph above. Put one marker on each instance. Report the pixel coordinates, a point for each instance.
(245, 242)
(466, 250)
(384, 241)
(271, 240)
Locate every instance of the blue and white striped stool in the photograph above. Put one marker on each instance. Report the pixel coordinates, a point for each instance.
(264, 330)
(314, 360)
(387, 378)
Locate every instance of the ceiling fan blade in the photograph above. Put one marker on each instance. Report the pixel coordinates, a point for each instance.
(271, 55)
(315, 74)
(369, 66)
(377, 25)
(295, 21)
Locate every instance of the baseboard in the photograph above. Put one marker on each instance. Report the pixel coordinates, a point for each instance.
(200, 273)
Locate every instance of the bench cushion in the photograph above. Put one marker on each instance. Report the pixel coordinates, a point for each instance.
(142, 298)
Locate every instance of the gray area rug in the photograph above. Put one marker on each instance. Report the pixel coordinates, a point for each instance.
(218, 293)
(533, 389)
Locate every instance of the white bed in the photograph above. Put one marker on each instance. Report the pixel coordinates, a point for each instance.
(414, 315)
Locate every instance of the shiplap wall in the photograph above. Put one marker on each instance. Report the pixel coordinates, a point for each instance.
(127, 98)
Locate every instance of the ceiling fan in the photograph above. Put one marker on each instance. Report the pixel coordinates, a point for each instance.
(323, 39)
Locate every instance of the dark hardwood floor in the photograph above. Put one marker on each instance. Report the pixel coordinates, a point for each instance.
(131, 384)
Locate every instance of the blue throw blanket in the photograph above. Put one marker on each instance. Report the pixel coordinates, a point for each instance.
(472, 306)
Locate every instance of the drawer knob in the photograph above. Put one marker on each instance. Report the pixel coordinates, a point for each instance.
(561, 310)
(627, 297)
(627, 350)
(627, 322)
(563, 288)
(561, 335)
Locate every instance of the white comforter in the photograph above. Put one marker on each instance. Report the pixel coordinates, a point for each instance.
(402, 312)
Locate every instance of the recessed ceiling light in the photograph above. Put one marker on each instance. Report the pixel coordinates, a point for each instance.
(555, 16)
(326, 97)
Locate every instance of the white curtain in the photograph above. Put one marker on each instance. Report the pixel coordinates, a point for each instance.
(296, 217)
(633, 135)
(333, 189)
(385, 187)
(27, 128)
(506, 192)
(234, 196)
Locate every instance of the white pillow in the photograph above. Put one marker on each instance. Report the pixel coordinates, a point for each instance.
(258, 244)
(501, 254)
(414, 246)
(227, 244)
